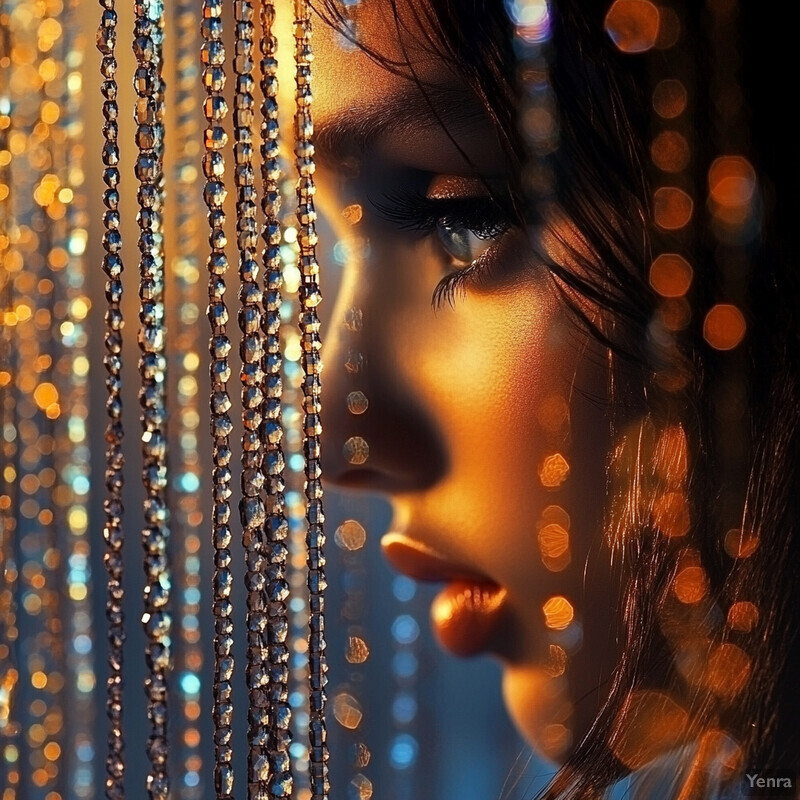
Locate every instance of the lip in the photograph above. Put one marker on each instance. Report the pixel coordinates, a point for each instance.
(468, 614)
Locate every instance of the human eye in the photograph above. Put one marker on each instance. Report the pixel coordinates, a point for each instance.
(467, 227)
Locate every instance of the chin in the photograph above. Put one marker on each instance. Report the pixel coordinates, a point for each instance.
(540, 707)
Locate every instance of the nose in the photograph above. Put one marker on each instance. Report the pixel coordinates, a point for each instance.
(377, 432)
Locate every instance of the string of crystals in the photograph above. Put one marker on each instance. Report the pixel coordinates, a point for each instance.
(251, 508)
(309, 326)
(215, 138)
(149, 118)
(187, 516)
(277, 526)
(113, 531)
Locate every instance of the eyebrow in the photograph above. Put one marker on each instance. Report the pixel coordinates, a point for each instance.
(451, 109)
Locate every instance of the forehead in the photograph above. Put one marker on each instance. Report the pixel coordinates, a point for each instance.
(393, 55)
(392, 91)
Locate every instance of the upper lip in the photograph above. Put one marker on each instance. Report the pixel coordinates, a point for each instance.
(424, 563)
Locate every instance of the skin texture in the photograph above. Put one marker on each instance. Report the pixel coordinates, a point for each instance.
(458, 394)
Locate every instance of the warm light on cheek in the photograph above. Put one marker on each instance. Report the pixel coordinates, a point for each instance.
(488, 356)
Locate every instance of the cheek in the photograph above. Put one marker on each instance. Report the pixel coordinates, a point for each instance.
(482, 367)
(483, 371)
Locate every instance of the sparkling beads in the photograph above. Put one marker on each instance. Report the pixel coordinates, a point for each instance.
(149, 117)
(213, 59)
(251, 507)
(113, 531)
(309, 326)
(277, 527)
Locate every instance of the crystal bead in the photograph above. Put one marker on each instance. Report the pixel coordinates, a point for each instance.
(106, 40)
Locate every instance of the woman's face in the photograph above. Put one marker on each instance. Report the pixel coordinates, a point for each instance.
(486, 420)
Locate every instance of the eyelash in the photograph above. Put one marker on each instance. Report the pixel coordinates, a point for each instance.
(482, 215)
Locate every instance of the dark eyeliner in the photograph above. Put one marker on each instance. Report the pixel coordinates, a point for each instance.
(483, 215)
(414, 211)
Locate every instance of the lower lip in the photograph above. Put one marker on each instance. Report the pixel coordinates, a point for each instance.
(466, 615)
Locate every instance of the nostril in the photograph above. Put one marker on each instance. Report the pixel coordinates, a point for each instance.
(391, 447)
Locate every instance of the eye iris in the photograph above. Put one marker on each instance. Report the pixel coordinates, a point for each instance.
(459, 242)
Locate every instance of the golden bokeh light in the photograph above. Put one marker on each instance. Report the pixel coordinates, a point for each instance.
(671, 275)
(350, 535)
(352, 214)
(672, 208)
(347, 711)
(553, 540)
(670, 151)
(357, 403)
(633, 25)
(357, 651)
(362, 787)
(361, 755)
(52, 751)
(558, 613)
(38, 679)
(724, 326)
(356, 450)
(553, 471)
(743, 616)
(731, 189)
(691, 585)
(45, 395)
(741, 543)
(556, 664)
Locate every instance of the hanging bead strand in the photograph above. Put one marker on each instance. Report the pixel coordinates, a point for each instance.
(148, 33)
(251, 349)
(277, 527)
(215, 138)
(309, 326)
(113, 531)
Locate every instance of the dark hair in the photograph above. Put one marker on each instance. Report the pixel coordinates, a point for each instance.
(604, 186)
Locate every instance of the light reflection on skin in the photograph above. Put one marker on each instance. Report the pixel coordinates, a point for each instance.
(453, 393)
